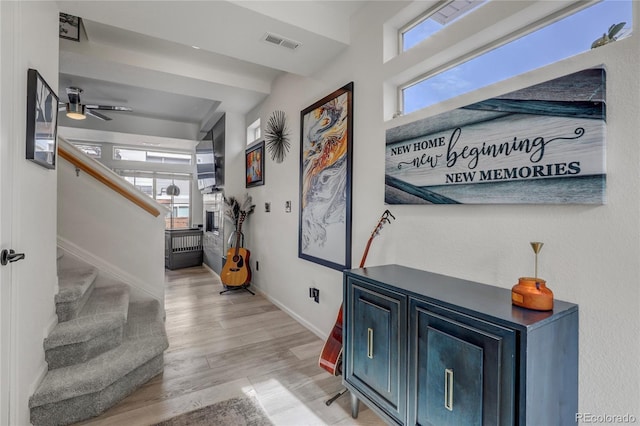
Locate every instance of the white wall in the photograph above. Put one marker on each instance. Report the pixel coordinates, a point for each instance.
(273, 237)
(195, 214)
(34, 195)
(591, 253)
(197, 207)
(234, 168)
(110, 232)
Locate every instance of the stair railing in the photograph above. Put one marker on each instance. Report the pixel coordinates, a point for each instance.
(106, 176)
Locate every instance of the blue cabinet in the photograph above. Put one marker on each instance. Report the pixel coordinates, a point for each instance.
(377, 325)
(427, 349)
(462, 369)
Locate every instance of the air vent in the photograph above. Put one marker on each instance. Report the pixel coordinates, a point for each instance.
(281, 41)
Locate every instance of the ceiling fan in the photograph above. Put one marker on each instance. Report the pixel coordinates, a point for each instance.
(79, 111)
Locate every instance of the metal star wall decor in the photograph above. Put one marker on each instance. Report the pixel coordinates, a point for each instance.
(277, 136)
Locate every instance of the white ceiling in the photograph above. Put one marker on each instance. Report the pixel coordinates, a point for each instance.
(140, 54)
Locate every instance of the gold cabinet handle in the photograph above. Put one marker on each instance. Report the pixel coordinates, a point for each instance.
(370, 343)
(448, 389)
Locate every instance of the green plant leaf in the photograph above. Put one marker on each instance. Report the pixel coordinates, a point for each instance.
(615, 29)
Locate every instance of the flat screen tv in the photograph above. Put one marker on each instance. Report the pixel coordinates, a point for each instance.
(218, 137)
(205, 163)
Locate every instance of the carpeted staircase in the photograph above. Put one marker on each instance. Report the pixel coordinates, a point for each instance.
(102, 349)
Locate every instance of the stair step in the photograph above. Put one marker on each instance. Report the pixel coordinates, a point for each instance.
(75, 286)
(97, 328)
(78, 392)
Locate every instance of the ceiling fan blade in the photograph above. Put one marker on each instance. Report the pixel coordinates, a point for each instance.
(109, 108)
(97, 114)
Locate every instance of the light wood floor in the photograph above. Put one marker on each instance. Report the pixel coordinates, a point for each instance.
(223, 346)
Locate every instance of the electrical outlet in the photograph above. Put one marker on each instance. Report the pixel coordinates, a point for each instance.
(314, 293)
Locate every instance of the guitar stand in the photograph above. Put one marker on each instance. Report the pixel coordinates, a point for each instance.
(240, 287)
(336, 396)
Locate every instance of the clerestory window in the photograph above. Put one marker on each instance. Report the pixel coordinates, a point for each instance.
(433, 20)
(558, 40)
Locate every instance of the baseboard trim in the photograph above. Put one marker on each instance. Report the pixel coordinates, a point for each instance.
(44, 367)
(209, 268)
(291, 313)
(53, 321)
(111, 270)
(42, 371)
(282, 307)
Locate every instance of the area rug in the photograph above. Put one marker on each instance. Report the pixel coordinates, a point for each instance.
(239, 411)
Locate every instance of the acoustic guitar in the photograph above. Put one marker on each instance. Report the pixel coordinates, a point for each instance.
(331, 355)
(236, 271)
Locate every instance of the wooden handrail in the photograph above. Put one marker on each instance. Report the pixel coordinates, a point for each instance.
(106, 180)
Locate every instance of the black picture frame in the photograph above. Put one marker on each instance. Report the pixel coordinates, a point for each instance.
(254, 164)
(326, 159)
(42, 121)
(69, 27)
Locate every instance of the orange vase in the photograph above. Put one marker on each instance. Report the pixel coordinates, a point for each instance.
(532, 293)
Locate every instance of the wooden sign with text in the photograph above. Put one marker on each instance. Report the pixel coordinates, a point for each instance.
(542, 144)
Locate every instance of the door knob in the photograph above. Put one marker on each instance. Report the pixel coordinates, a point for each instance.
(8, 256)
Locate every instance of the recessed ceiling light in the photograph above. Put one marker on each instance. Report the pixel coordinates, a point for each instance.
(196, 47)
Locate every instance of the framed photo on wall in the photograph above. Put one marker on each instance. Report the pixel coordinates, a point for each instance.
(42, 121)
(326, 133)
(69, 27)
(254, 160)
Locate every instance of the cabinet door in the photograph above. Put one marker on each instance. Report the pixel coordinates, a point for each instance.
(462, 369)
(376, 348)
